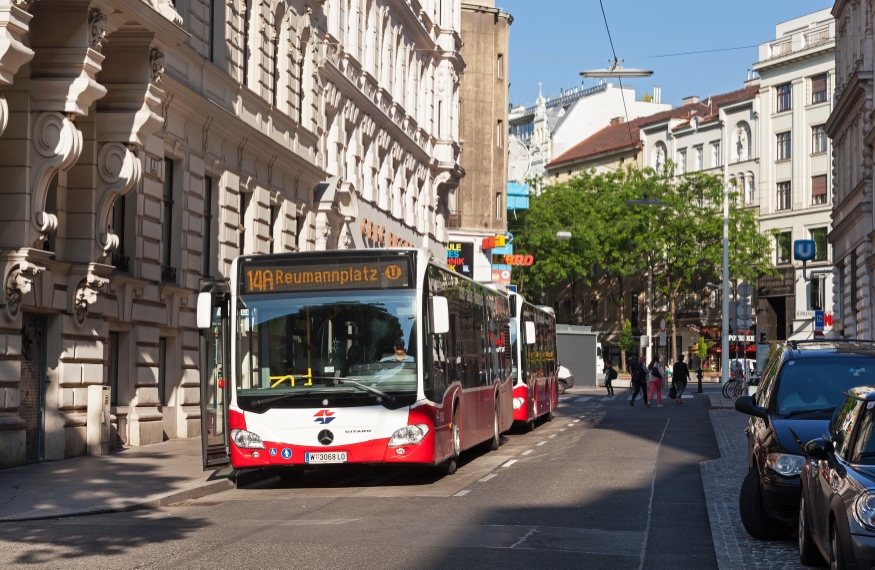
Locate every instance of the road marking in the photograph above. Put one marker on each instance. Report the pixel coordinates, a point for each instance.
(462, 493)
(575, 421)
(608, 398)
(509, 463)
(562, 429)
(652, 492)
(572, 425)
(526, 452)
(551, 436)
(487, 478)
(541, 442)
(523, 539)
(581, 400)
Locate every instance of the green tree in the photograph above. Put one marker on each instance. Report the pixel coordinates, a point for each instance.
(625, 342)
(702, 348)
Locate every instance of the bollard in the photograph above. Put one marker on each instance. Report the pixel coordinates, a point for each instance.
(699, 376)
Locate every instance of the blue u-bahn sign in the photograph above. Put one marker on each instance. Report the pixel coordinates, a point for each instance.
(804, 249)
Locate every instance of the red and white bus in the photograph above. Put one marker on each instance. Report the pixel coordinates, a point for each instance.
(376, 356)
(535, 370)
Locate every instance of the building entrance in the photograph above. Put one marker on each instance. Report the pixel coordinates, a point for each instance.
(33, 383)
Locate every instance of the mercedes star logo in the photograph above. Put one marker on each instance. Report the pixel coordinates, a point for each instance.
(325, 437)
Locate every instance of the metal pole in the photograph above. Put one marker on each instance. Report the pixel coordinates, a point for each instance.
(649, 316)
(724, 362)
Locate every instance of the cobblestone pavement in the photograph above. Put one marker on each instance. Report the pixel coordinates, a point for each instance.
(722, 480)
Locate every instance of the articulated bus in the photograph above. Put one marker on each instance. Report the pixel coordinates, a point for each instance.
(378, 356)
(535, 369)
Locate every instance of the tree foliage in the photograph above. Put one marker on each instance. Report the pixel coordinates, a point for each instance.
(680, 241)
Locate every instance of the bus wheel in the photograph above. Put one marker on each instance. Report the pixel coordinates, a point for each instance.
(496, 441)
(448, 467)
(529, 426)
(548, 417)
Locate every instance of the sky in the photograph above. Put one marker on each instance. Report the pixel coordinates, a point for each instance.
(552, 41)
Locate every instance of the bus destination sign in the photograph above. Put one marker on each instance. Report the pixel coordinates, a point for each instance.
(284, 276)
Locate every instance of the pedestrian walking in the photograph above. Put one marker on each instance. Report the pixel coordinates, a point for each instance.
(610, 376)
(657, 373)
(680, 375)
(639, 379)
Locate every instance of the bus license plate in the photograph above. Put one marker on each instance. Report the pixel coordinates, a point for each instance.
(325, 457)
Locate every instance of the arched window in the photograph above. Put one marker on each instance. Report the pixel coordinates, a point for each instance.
(751, 188)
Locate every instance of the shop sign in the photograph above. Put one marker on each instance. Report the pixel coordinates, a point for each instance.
(378, 235)
(501, 276)
(747, 338)
(460, 257)
(781, 285)
(493, 242)
(515, 260)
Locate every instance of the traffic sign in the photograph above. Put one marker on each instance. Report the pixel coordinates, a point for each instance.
(745, 290)
(662, 338)
(744, 324)
(804, 249)
(819, 317)
(744, 311)
(662, 325)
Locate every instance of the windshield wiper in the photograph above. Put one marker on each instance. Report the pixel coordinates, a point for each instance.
(266, 401)
(800, 412)
(364, 387)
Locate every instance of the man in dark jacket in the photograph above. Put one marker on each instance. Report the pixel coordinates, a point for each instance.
(639, 379)
(680, 375)
(610, 376)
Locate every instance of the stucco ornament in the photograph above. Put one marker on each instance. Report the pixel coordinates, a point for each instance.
(97, 20)
(86, 294)
(156, 64)
(19, 282)
(120, 171)
(166, 9)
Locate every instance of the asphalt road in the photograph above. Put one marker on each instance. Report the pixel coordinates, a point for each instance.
(603, 485)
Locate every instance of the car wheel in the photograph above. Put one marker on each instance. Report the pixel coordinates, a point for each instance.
(837, 555)
(756, 522)
(809, 555)
(562, 387)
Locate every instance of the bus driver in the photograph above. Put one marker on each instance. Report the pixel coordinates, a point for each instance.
(400, 354)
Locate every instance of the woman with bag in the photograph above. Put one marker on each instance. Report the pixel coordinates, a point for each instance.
(657, 373)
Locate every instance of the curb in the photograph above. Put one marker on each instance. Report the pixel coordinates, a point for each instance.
(210, 488)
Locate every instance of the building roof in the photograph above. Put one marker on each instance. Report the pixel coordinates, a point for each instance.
(617, 137)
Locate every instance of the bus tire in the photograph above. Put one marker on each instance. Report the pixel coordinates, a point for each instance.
(548, 417)
(448, 467)
(529, 426)
(496, 439)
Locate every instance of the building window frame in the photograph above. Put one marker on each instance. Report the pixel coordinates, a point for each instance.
(819, 88)
(783, 247)
(819, 190)
(819, 139)
(819, 236)
(784, 146)
(784, 196)
(784, 98)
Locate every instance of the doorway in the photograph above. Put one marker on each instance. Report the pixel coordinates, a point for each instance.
(33, 383)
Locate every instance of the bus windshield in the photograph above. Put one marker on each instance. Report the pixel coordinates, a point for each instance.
(288, 344)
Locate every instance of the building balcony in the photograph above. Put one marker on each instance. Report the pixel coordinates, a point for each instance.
(454, 221)
(168, 275)
(122, 263)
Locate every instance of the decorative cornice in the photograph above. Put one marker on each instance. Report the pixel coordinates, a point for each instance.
(856, 90)
(14, 25)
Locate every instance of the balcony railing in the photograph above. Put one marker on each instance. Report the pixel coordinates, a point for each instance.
(121, 263)
(168, 274)
(816, 38)
(454, 221)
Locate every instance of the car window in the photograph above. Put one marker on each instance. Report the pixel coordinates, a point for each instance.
(770, 371)
(817, 384)
(863, 449)
(842, 425)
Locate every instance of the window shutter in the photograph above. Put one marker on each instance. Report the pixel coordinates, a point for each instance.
(818, 84)
(818, 185)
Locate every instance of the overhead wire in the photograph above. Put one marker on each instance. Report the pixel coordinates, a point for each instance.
(616, 60)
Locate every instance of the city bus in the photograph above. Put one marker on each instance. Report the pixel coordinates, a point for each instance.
(535, 369)
(365, 357)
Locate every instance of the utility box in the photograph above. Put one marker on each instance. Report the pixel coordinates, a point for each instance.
(97, 426)
(577, 352)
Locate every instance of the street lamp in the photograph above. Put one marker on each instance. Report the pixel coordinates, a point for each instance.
(616, 71)
(657, 203)
(563, 236)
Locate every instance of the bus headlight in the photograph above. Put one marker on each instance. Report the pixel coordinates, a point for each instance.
(518, 403)
(246, 439)
(409, 435)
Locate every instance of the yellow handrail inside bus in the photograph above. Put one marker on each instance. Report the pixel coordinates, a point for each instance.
(309, 364)
(280, 379)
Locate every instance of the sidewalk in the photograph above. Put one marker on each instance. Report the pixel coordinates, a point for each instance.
(128, 479)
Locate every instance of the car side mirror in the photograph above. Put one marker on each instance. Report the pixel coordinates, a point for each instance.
(747, 405)
(819, 448)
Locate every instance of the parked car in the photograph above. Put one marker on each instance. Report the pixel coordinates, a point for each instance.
(837, 510)
(566, 379)
(802, 384)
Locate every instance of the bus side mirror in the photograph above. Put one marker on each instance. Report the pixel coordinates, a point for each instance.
(530, 332)
(440, 315)
(205, 304)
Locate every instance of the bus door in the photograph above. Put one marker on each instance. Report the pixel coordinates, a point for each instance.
(213, 319)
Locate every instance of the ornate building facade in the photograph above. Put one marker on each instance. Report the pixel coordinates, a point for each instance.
(143, 146)
(851, 129)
